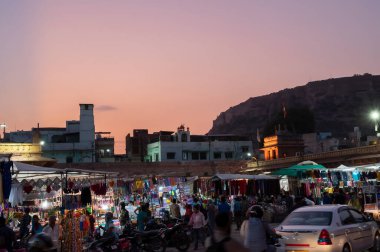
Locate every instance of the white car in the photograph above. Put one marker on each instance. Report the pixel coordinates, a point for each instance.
(328, 228)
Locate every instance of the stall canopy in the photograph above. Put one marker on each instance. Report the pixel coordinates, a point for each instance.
(26, 171)
(343, 168)
(241, 176)
(300, 167)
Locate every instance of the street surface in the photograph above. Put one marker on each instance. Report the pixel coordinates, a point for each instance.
(234, 234)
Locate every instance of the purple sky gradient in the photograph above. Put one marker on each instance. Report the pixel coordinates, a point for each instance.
(157, 64)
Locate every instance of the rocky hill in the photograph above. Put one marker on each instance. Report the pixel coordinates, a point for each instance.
(338, 105)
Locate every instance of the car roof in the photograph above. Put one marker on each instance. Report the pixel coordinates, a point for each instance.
(319, 208)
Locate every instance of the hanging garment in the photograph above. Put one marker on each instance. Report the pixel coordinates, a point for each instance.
(356, 175)
(7, 179)
(86, 196)
(1, 189)
(16, 196)
(139, 184)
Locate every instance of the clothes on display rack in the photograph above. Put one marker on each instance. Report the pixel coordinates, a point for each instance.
(86, 196)
(7, 177)
(16, 196)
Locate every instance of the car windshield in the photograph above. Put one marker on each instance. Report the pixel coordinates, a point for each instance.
(308, 219)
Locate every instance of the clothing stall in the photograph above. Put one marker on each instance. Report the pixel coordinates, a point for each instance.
(50, 191)
(242, 184)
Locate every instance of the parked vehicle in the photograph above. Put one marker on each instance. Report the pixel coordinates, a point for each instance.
(328, 228)
(103, 244)
(147, 241)
(177, 237)
(174, 232)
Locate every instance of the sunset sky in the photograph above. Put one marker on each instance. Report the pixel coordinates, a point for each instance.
(157, 64)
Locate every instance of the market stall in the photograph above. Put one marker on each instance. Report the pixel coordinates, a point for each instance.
(242, 184)
(47, 191)
(306, 178)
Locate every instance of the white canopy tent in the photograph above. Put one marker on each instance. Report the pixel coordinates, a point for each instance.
(242, 176)
(23, 171)
(343, 168)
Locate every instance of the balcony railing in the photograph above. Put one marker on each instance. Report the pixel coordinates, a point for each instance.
(358, 151)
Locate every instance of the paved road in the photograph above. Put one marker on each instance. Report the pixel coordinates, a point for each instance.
(234, 234)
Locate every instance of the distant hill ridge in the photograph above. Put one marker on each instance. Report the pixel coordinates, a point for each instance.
(338, 106)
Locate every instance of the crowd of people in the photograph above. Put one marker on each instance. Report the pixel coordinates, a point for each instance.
(209, 218)
(8, 237)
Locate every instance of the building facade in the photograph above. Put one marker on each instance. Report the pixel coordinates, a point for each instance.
(282, 145)
(73, 144)
(24, 152)
(104, 147)
(181, 146)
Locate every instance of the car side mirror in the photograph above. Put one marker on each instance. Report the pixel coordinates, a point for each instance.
(369, 217)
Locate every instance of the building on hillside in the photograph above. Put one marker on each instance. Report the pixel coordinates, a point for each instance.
(73, 144)
(319, 142)
(181, 146)
(283, 144)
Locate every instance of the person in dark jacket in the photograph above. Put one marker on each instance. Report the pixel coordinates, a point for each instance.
(25, 222)
(7, 236)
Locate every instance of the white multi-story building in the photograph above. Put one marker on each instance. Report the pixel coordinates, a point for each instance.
(182, 146)
(73, 144)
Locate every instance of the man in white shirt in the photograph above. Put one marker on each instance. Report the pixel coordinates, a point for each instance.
(52, 230)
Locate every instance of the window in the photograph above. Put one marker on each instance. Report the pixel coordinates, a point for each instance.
(346, 218)
(195, 156)
(203, 155)
(170, 155)
(69, 159)
(308, 219)
(217, 155)
(183, 138)
(358, 217)
(244, 149)
(185, 155)
(156, 157)
(228, 155)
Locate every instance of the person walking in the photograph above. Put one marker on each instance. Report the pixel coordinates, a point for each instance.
(211, 212)
(237, 212)
(174, 210)
(124, 215)
(256, 231)
(52, 230)
(25, 222)
(197, 221)
(220, 240)
(244, 206)
(224, 207)
(340, 197)
(142, 218)
(188, 213)
(36, 225)
(326, 200)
